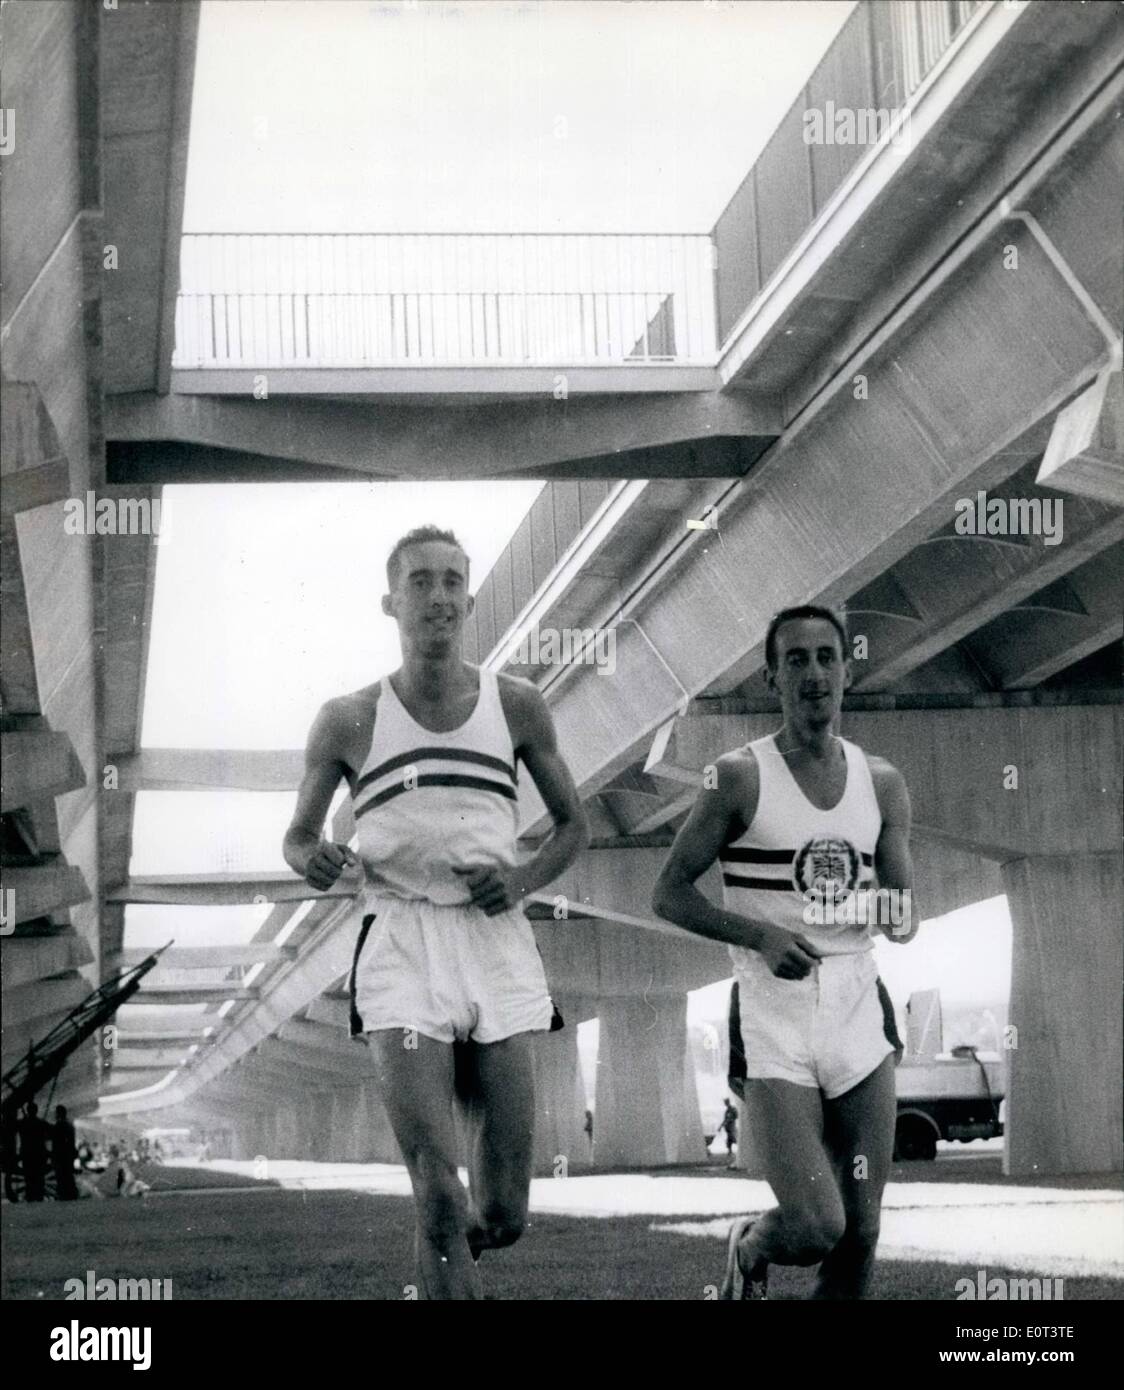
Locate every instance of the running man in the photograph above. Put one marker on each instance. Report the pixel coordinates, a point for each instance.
(447, 981)
(801, 822)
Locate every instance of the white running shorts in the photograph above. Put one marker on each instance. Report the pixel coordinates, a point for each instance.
(827, 1030)
(449, 971)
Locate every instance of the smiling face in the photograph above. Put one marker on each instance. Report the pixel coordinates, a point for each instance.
(811, 672)
(430, 598)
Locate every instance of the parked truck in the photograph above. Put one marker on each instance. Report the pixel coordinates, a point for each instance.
(957, 1095)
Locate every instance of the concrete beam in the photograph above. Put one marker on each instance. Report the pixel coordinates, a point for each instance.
(613, 957)
(29, 958)
(16, 1038)
(194, 769)
(157, 1041)
(131, 1078)
(223, 890)
(33, 466)
(194, 1026)
(465, 384)
(959, 584)
(1056, 627)
(505, 438)
(208, 957)
(147, 70)
(160, 1066)
(1064, 795)
(35, 765)
(924, 437)
(198, 994)
(1086, 450)
(36, 826)
(42, 889)
(326, 958)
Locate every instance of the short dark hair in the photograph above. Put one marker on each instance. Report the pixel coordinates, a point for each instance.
(803, 610)
(418, 536)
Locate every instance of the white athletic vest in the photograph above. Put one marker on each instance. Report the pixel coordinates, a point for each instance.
(427, 802)
(793, 848)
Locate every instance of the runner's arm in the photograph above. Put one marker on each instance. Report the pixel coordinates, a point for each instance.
(318, 861)
(893, 862)
(696, 847)
(538, 749)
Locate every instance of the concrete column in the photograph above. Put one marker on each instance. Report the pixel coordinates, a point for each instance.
(288, 1131)
(245, 1138)
(260, 1135)
(559, 1102)
(647, 1102)
(316, 1127)
(345, 1136)
(1064, 1094)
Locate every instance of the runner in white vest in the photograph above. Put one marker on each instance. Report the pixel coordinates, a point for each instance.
(802, 823)
(445, 956)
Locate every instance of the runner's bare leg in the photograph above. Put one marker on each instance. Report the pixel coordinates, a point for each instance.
(416, 1084)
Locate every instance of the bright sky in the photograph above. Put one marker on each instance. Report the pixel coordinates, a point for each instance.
(317, 115)
(267, 598)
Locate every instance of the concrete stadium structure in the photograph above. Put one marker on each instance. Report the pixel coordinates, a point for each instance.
(893, 329)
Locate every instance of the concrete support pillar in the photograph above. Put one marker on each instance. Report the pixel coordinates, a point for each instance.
(345, 1125)
(316, 1133)
(261, 1134)
(559, 1103)
(647, 1101)
(288, 1134)
(245, 1138)
(1064, 1094)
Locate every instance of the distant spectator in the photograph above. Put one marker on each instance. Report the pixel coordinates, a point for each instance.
(588, 1126)
(729, 1123)
(64, 1148)
(33, 1153)
(9, 1157)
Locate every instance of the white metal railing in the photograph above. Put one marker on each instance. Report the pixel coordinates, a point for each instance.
(374, 299)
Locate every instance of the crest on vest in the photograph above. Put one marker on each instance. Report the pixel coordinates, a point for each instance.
(826, 867)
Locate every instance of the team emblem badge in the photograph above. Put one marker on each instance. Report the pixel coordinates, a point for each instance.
(826, 867)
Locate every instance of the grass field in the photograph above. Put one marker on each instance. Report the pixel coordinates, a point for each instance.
(275, 1244)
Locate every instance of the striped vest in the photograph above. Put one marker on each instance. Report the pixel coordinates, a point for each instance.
(426, 803)
(793, 848)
